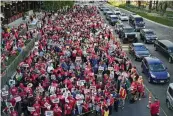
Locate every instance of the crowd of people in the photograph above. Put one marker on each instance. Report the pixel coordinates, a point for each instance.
(13, 41)
(78, 66)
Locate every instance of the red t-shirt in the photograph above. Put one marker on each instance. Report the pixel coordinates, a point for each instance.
(155, 108)
(14, 91)
(68, 109)
(86, 107)
(14, 113)
(57, 111)
(37, 107)
(35, 113)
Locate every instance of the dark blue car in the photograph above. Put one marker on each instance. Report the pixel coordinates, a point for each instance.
(139, 51)
(155, 70)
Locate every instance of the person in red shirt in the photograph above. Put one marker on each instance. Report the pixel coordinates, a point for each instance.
(85, 107)
(68, 109)
(35, 113)
(155, 108)
(14, 113)
(14, 91)
(57, 110)
(37, 107)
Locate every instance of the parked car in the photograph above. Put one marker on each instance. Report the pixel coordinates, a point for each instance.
(117, 12)
(108, 14)
(101, 8)
(113, 19)
(139, 51)
(148, 35)
(169, 96)
(155, 70)
(123, 17)
(136, 21)
(165, 47)
(105, 10)
(118, 27)
(128, 34)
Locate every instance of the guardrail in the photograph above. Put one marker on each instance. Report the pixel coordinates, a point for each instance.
(11, 69)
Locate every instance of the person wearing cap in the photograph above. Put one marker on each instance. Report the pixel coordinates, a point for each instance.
(155, 108)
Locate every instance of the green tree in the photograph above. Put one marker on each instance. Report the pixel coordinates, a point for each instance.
(56, 5)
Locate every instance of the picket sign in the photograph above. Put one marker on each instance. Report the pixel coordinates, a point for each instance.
(31, 109)
(56, 100)
(86, 91)
(110, 68)
(81, 83)
(78, 83)
(49, 113)
(18, 99)
(79, 102)
(25, 65)
(101, 68)
(78, 58)
(47, 105)
(4, 93)
(93, 87)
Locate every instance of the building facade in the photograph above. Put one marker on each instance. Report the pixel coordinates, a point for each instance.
(13, 10)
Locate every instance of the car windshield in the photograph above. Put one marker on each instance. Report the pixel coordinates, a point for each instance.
(106, 9)
(110, 13)
(118, 13)
(114, 18)
(157, 67)
(139, 19)
(140, 48)
(149, 33)
(129, 30)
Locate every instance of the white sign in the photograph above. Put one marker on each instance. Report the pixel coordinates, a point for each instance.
(110, 68)
(101, 68)
(25, 65)
(17, 99)
(56, 100)
(78, 58)
(93, 87)
(49, 113)
(47, 105)
(86, 91)
(4, 93)
(79, 102)
(31, 109)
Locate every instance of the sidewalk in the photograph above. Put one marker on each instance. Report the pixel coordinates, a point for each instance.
(16, 23)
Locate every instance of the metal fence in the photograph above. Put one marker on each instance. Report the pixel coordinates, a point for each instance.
(11, 69)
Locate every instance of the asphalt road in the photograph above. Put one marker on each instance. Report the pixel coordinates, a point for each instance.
(158, 90)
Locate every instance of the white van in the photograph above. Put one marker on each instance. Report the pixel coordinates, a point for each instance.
(169, 96)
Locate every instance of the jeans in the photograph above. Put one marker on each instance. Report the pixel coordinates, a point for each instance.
(79, 107)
